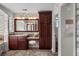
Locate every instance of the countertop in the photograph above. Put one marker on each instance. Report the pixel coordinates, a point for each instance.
(32, 37)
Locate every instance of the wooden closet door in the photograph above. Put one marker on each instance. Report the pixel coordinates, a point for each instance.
(48, 36)
(45, 36)
(45, 17)
(45, 30)
(42, 35)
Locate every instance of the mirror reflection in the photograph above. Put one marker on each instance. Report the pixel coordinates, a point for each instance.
(27, 25)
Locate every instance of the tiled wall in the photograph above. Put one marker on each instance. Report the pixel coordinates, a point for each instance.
(77, 10)
(3, 30)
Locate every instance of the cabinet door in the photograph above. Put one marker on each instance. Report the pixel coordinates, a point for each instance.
(42, 30)
(45, 30)
(45, 17)
(49, 36)
(13, 42)
(42, 43)
(45, 36)
(42, 35)
(22, 43)
(48, 43)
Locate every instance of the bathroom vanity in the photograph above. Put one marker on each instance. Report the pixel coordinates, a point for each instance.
(32, 33)
(18, 42)
(22, 41)
(25, 34)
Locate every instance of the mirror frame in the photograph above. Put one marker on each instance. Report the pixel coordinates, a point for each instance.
(24, 31)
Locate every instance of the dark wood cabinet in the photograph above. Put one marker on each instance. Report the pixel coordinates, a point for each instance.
(13, 42)
(45, 30)
(45, 17)
(22, 42)
(18, 42)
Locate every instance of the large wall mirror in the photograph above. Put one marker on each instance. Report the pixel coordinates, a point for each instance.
(30, 25)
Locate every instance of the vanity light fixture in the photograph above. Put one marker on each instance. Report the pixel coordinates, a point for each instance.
(18, 18)
(23, 17)
(32, 17)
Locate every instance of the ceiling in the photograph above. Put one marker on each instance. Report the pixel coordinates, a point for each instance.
(31, 7)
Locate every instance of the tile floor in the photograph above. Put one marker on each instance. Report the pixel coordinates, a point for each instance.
(29, 52)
